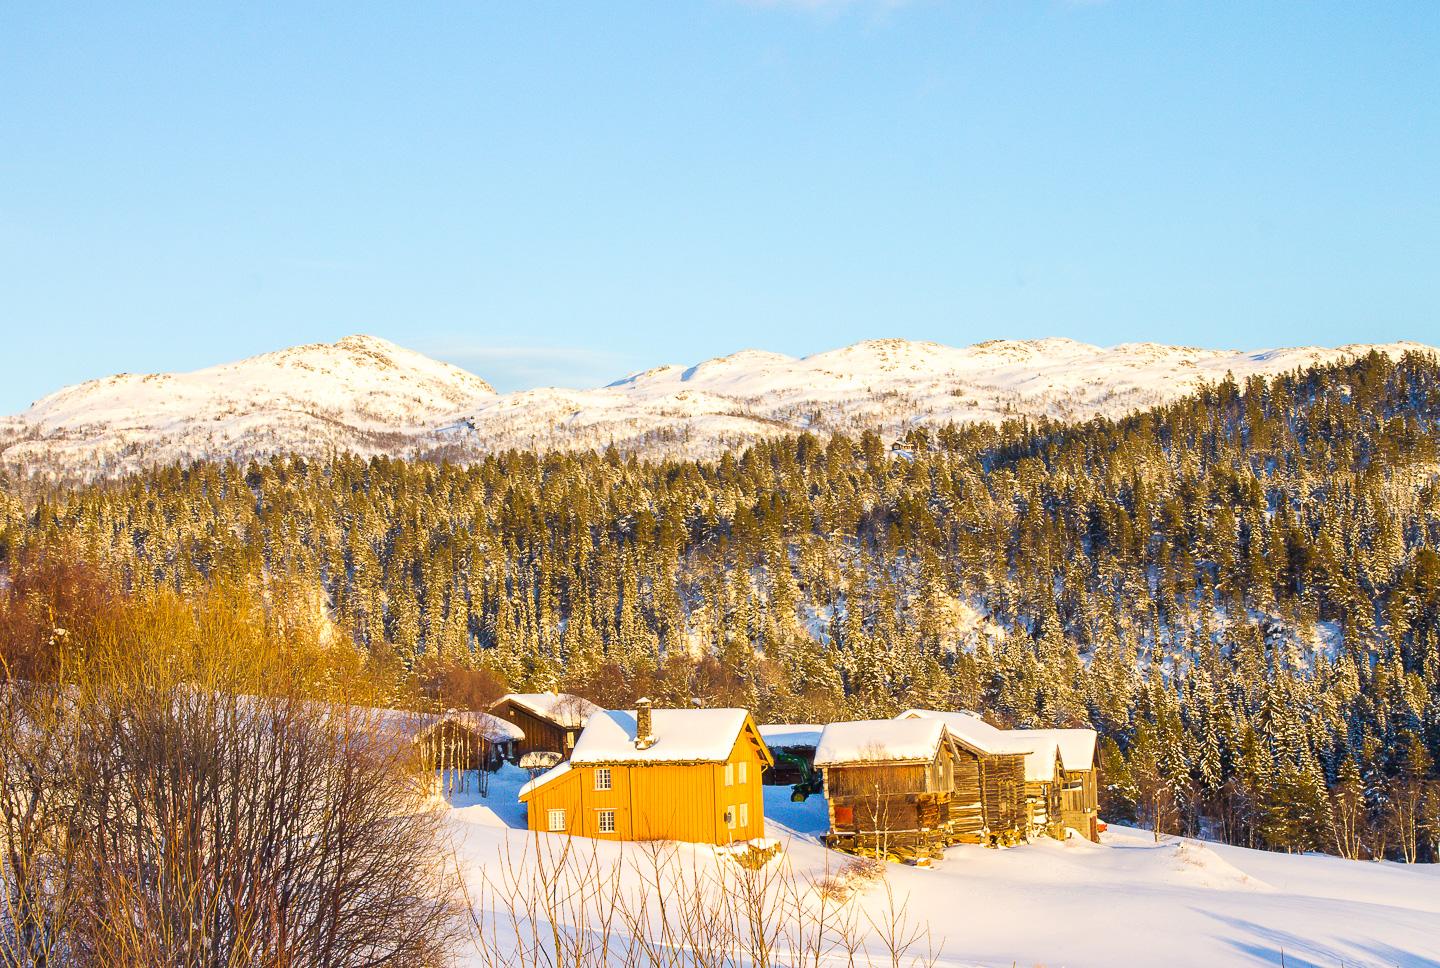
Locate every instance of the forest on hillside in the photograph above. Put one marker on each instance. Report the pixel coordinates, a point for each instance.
(1240, 590)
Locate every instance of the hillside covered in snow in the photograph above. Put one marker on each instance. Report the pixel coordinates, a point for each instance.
(887, 385)
(367, 395)
(360, 394)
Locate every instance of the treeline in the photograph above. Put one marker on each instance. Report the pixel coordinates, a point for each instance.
(1240, 590)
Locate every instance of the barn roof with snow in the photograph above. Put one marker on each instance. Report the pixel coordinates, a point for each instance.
(971, 730)
(1074, 747)
(1077, 746)
(560, 708)
(912, 740)
(492, 728)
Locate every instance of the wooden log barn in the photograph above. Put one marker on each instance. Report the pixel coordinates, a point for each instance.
(657, 774)
(1061, 784)
(462, 747)
(551, 721)
(907, 786)
(469, 740)
(1072, 787)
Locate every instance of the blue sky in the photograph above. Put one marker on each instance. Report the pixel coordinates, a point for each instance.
(564, 192)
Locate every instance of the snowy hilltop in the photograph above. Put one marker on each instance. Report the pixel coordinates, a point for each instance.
(367, 395)
(361, 394)
(886, 385)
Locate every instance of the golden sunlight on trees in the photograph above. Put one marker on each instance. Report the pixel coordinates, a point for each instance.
(196, 784)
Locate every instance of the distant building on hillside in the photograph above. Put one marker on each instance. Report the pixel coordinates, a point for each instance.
(657, 774)
(551, 721)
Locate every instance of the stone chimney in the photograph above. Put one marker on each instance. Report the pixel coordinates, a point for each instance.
(644, 731)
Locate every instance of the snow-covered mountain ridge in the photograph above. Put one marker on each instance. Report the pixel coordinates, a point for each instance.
(887, 384)
(361, 393)
(368, 395)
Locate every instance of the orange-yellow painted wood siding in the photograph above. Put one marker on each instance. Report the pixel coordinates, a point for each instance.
(663, 801)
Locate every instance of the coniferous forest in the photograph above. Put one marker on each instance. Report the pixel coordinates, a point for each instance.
(1239, 590)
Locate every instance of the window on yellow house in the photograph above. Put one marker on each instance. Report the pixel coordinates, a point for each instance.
(607, 821)
(557, 820)
(602, 778)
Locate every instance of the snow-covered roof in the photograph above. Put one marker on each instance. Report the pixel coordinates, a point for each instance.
(970, 729)
(783, 735)
(493, 728)
(1077, 746)
(681, 736)
(880, 741)
(561, 708)
(1040, 756)
(543, 779)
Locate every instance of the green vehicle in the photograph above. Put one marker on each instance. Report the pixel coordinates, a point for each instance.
(810, 779)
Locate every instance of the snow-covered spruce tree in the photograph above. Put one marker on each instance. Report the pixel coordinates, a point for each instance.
(1268, 553)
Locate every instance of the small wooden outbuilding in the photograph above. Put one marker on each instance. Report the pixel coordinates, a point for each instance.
(657, 774)
(551, 721)
(1000, 771)
(1060, 782)
(1072, 787)
(468, 740)
(890, 785)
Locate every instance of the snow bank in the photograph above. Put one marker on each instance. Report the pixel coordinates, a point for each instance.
(1125, 902)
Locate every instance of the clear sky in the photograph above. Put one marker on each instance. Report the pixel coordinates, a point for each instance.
(564, 192)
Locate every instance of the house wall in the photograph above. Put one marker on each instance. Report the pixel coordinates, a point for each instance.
(967, 803)
(564, 793)
(685, 802)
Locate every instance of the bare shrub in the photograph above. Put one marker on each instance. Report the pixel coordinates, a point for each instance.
(853, 877)
(178, 794)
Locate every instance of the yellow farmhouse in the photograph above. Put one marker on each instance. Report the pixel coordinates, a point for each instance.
(663, 774)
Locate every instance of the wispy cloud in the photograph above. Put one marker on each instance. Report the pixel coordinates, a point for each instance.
(824, 5)
(522, 367)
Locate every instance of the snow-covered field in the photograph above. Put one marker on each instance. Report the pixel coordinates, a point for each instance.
(1127, 901)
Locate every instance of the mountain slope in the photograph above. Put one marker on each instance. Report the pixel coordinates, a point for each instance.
(371, 396)
(882, 384)
(360, 393)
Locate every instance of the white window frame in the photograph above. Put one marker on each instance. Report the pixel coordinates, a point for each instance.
(606, 816)
(740, 772)
(569, 739)
(603, 780)
(744, 814)
(729, 774)
(555, 820)
(730, 817)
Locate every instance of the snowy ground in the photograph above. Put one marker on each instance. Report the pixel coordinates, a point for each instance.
(1127, 901)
